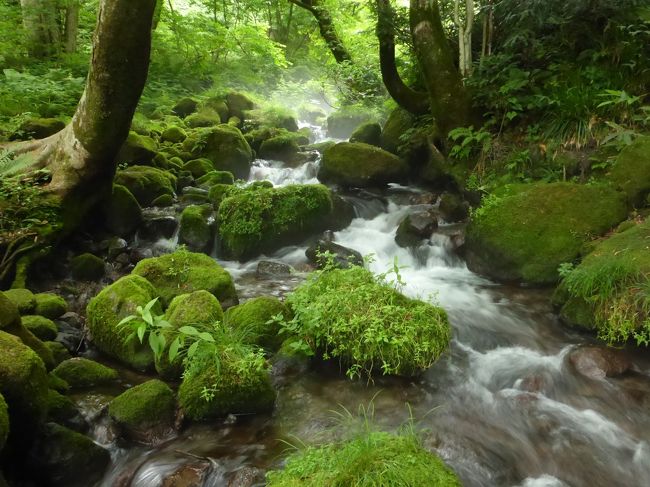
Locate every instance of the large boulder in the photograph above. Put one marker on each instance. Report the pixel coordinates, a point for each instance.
(605, 292)
(146, 183)
(361, 165)
(225, 146)
(399, 122)
(37, 128)
(524, 233)
(416, 228)
(280, 148)
(368, 133)
(109, 307)
(146, 412)
(137, 150)
(184, 272)
(262, 219)
(239, 104)
(631, 171)
(195, 230)
(255, 318)
(23, 299)
(122, 212)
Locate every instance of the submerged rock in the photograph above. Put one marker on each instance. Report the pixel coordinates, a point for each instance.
(269, 269)
(416, 227)
(599, 362)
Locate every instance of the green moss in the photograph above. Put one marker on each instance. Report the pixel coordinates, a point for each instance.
(610, 289)
(219, 192)
(225, 146)
(59, 352)
(185, 272)
(264, 219)
(232, 380)
(216, 177)
(280, 148)
(29, 339)
(109, 307)
(399, 122)
(361, 165)
(367, 133)
(50, 305)
(174, 135)
(146, 183)
(147, 405)
(218, 105)
(199, 167)
(137, 150)
(81, 373)
(87, 267)
(37, 128)
(353, 316)
(195, 230)
(185, 107)
(9, 315)
(22, 298)
(164, 201)
(631, 171)
(254, 320)
(4, 422)
(122, 212)
(23, 383)
(373, 459)
(204, 118)
(60, 408)
(43, 328)
(239, 104)
(525, 233)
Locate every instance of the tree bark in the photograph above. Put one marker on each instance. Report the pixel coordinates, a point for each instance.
(464, 35)
(71, 26)
(41, 27)
(450, 103)
(409, 99)
(327, 30)
(81, 158)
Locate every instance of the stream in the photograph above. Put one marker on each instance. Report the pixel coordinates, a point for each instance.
(505, 406)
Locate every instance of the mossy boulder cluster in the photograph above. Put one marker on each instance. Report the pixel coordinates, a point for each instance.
(525, 232)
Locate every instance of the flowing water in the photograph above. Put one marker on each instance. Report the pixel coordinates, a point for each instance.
(505, 407)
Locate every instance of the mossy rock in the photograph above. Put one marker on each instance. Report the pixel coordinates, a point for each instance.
(352, 307)
(199, 167)
(184, 272)
(145, 412)
(146, 183)
(81, 373)
(527, 231)
(87, 267)
(215, 177)
(257, 136)
(399, 122)
(341, 123)
(137, 150)
(367, 133)
(109, 307)
(4, 422)
(30, 340)
(185, 107)
(65, 458)
(50, 305)
(61, 409)
(217, 104)
(195, 231)
(281, 148)
(23, 384)
(204, 118)
(173, 134)
(43, 328)
(23, 299)
(164, 201)
(59, 352)
(606, 291)
(239, 104)
(361, 165)
(371, 459)
(264, 219)
(9, 315)
(255, 319)
(238, 384)
(37, 128)
(220, 192)
(225, 146)
(453, 208)
(631, 171)
(122, 213)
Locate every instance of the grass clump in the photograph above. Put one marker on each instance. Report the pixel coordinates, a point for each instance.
(610, 289)
(366, 323)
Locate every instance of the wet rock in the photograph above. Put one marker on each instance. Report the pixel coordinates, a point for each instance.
(72, 319)
(598, 362)
(246, 477)
(267, 268)
(158, 227)
(453, 208)
(195, 229)
(138, 255)
(70, 336)
(116, 246)
(416, 227)
(343, 257)
(188, 475)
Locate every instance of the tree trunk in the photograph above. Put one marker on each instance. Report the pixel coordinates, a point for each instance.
(450, 103)
(327, 30)
(464, 35)
(41, 27)
(71, 26)
(81, 158)
(406, 97)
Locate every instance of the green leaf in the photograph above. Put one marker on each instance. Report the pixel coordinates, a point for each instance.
(174, 348)
(189, 331)
(205, 336)
(142, 329)
(192, 350)
(126, 320)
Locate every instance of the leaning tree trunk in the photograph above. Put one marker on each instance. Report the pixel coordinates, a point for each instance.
(409, 99)
(81, 158)
(41, 27)
(450, 103)
(327, 30)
